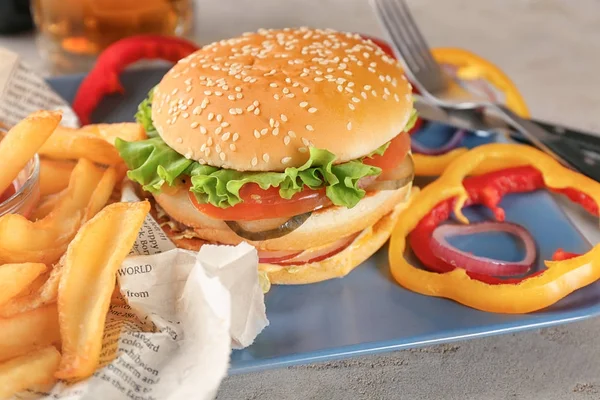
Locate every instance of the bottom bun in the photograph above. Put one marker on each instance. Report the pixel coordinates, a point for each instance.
(341, 264)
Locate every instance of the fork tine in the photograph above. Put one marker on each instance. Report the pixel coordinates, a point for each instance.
(397, 37)
(415, 33)
(411, 45)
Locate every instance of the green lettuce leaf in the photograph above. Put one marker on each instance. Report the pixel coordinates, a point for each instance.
(144, 115)
(152, 163)
(412, 120)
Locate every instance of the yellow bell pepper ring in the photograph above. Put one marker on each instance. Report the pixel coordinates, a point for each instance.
(530, 294)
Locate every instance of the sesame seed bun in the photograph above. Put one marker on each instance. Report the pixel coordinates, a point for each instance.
(258, 101)
(324, 226)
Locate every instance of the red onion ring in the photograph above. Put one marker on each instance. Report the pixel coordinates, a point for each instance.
(451, 144)
(442, 249)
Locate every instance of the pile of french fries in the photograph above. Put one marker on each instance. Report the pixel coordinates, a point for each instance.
(58, 265)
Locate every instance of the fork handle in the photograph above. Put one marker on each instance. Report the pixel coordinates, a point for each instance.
(562, 150)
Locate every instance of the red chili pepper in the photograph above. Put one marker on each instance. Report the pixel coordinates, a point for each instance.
(488, 190)
(103, 79)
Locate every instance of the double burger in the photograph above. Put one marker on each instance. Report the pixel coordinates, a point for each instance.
(292, 140)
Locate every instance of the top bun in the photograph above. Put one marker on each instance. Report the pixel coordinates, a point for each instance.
(258, 101)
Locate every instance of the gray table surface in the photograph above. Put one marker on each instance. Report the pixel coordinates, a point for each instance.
(551, 49)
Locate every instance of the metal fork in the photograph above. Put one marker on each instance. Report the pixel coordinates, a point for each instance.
(442, 90)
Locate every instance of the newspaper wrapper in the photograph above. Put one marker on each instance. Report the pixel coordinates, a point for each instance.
(170, 331)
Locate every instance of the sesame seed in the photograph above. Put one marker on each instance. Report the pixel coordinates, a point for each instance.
(283, 117)
(347, 89)
(226, 136)
(364, 95)
(203, 130)
(312, 110)
(286, 140)
(303, 104)
(218, 148)
(194, 125)
(305, 89)
(232, 111)
(224, 124)
(271, 122)
(185, 115)
(203, 147)
(355, 99)
(276, 96)
(179, 140)
(396, 97)
(236, 136)
(347, 72)
(292, 134)
(351, 106)
(374, 93)
(211, 116)
(257, 111)
(209, 142)
(197, 110)
(238, 89)
(310, 128)
(254, 161)
(239, 96)
(273, 84)
(275, 132)
(302, 149)
(218, 130)
(264, 131)
(190, 101)
(222, 156)
(286, 160)
(239, 111)
(265, 157)
(305, 141)
(231, 97)
(256, 134)
(349, 126)
(218, 93)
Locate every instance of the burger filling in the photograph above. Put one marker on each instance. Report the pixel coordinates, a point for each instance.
(265, 205)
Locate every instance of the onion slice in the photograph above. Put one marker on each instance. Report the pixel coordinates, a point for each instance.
(443, 250)
(451, 144)
(286, 227)
(319, 253)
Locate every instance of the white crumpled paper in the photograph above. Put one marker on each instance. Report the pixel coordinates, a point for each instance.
(169, 333)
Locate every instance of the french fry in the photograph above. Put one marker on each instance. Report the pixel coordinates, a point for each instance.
(29, 331)
(101, 194)
(130, 131)
(46, 205)
(22, 142)
(87, 283)
(41, 292)
(54, 175)
(14, 278)
(35, 368)
(72, 144)
(46, 239)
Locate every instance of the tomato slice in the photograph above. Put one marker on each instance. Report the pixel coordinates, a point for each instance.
(394, 154)
(265, 204)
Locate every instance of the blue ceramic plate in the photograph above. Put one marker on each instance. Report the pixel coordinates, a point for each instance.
(367, 312)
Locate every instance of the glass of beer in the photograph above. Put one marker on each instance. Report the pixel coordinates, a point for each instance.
(71, 33)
